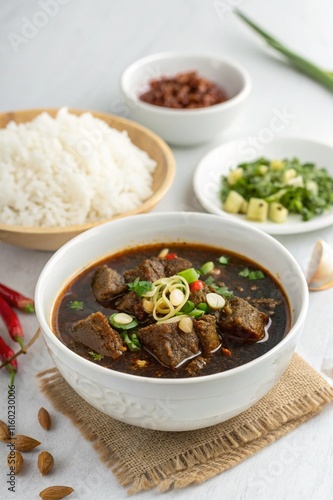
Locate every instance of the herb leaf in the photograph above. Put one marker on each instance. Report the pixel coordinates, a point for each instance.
(96, 356)
(224, 260)
(76, 304)
(223, 290)
(140, 287)
(256, 274)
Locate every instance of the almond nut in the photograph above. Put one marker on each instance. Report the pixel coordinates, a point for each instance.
(15, 461)
(44, 419)
(45, 462)
(4, 431)
(24, 443)
(55, 492)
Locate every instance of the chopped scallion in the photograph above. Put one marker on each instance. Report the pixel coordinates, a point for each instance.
(256, 275)
(189, 274)
(206, 268)
(131, 340)
(122, 326)
(196, 313)
(187, 307)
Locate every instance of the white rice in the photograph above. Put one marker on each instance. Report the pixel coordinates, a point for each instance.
(69, 170)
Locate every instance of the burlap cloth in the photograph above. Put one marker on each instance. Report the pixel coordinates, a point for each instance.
(142, 459)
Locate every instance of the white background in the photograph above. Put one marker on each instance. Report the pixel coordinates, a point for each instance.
(76, 59)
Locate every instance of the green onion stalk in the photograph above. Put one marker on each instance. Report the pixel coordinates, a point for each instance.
(299, 62)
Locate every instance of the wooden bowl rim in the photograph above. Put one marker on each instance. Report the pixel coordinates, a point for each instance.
(146, 205)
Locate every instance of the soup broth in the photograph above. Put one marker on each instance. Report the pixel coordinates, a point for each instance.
(228, 275)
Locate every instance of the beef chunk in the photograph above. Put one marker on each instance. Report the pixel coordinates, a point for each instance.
(195, 366)
(205, 328)
(168, 343)
(107, 284)
(95, 332)
(131, 303)
(200, 295)
(173, 266)
(242, 320)
(150, 270)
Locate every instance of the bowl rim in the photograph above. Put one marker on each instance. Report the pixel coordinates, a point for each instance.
(151, 201)
(57, 256)
(230, 102)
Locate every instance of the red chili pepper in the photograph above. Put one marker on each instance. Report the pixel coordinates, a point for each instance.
(12, 322)
(227, 352)
(16, 299)
(196, 285)
(5, 354)
(171, 256)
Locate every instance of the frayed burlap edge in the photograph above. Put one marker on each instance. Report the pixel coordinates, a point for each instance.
(200, 463)
(205, 462)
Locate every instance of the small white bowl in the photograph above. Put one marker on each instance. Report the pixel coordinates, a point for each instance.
(186, 126)
(171, 404)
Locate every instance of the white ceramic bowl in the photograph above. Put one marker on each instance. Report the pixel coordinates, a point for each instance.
(171, 404)
(186, 126)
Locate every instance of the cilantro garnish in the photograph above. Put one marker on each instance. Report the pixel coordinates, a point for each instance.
(96, 356)
(222, 290)
(140, 287)
(252, 275)
(76, 304)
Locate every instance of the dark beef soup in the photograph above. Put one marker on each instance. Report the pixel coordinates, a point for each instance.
(182, 311)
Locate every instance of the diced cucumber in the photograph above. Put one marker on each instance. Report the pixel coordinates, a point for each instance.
(276, 164)
(233, 202)
(290, 173)
(277, 212)
(243, 207)
(257, 210)
(234, 175)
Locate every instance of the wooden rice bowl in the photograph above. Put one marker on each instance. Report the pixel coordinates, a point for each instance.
(43, 238)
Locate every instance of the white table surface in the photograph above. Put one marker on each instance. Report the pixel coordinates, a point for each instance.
(76, 59)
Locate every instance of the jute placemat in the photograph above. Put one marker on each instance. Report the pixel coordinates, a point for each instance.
(142, 459)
